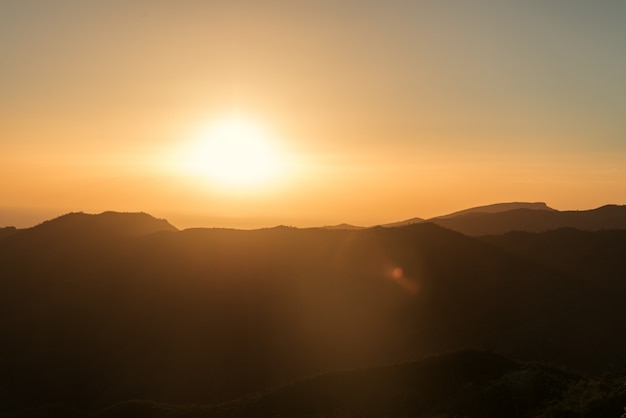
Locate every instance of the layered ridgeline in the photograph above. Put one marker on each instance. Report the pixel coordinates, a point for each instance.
(100, 309)
(532, 217)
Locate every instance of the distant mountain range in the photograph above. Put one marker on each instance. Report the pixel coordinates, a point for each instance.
(532, 217)
(99, 309)
(492, 219)
(500, 218)
(480, 223)
(495, 208)
(499, 207)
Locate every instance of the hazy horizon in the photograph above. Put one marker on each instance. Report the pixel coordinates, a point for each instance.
(29, 217)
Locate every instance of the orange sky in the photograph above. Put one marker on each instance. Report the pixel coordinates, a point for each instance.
(382, 110)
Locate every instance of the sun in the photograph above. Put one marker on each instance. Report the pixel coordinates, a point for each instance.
(235, 153)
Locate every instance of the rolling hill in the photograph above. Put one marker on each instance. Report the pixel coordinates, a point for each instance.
(493, 208)
(98, 309)
(534, 220)
(500, 218)
(499, 207)
(467, 383)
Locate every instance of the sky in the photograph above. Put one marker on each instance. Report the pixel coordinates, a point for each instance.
(373, 111)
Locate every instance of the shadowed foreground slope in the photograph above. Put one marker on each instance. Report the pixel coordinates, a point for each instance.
(458, 384)
(210, 314)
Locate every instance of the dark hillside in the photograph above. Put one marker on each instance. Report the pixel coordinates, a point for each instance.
(596, 255)
(106, 223)
(205, 315)
(499, 207)
(530, 220)
(597, 259)
(7, 231)
(466, 383)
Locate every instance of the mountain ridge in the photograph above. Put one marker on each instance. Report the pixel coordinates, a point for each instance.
(496, 208)
(496, 219)
(530, 220)
(201, 315)
(108, 223)
(500, 218)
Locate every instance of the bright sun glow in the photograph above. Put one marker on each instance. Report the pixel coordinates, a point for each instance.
(235, 153)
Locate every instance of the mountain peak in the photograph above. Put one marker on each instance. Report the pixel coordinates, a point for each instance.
(108, 223)
(342, 226)
(500, 207)
(404, 223)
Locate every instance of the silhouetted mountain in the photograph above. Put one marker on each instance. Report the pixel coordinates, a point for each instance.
(403, 223)
(106, 223)
(62, 234)
(493, 208)
(479, 223)
(6, 231)
(342, 226)
(204, 315)
(500, 218)
(497, 208)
